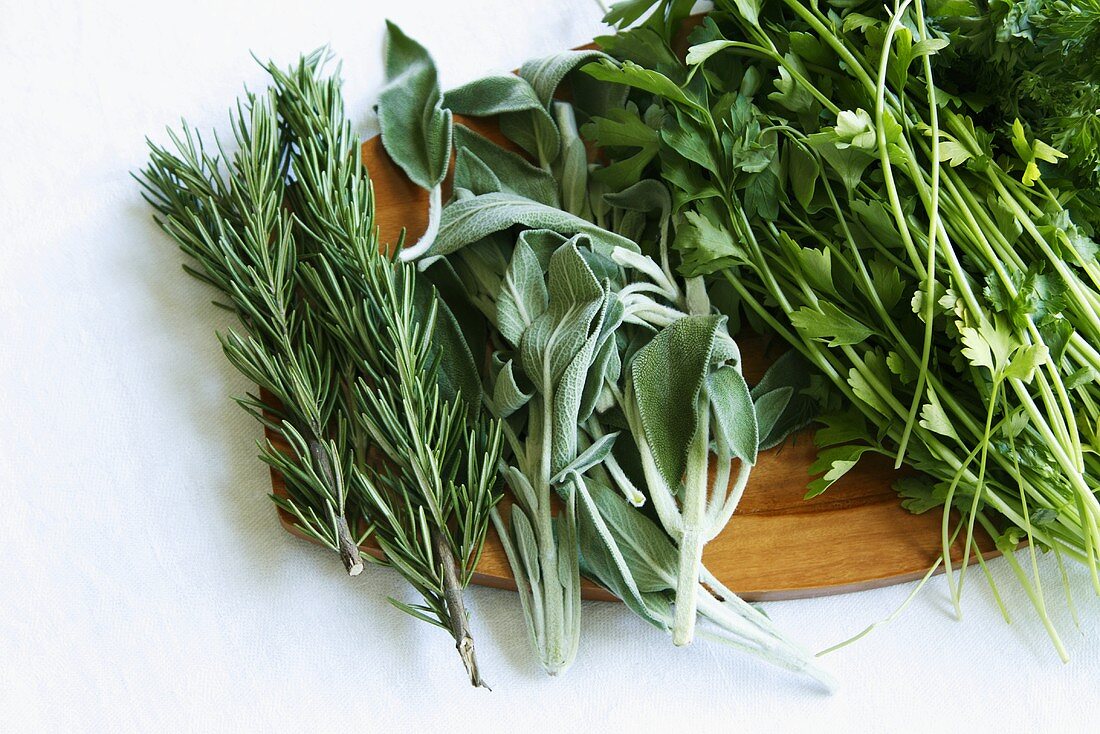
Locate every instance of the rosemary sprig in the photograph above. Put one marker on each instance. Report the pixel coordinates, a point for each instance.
(227, 214)
(383, 326)
(345, 339)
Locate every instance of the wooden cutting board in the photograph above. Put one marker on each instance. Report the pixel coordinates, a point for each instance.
(778, 545)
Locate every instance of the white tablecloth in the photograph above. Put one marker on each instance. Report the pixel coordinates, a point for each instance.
(144, 582)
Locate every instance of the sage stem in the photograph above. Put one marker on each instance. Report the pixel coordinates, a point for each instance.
(691, 542)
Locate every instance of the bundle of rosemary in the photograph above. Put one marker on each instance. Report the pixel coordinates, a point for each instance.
(364, 374)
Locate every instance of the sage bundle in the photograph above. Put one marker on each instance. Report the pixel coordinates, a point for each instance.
(593, 338)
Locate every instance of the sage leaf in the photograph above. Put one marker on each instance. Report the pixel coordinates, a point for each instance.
(668, 375)
(472, 219)
(736, 432)
(543, 243)
(546, 74)
(606, 368)
(569, 395)
(649, 552)
(515, 174)
(554, 339)
(416, 129)
(588, 458)
(525, 542)
(769, 409)
(523, 117)
(458, 373)
(474, 175)
(520, 486)
(523, 295)
(507, 396)
(572, 164)
(606, 365)
(493, 95)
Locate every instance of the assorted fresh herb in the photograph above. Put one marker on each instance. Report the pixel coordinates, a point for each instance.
(904, 194)
(870, 184)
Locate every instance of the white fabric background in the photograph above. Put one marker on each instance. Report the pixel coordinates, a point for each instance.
(144, 582)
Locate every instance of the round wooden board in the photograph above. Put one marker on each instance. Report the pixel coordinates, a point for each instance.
(778, 545)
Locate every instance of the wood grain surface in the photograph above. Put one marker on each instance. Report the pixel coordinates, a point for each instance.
(778, 545)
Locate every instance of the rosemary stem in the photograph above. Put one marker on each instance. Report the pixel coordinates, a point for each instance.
(456, 609)
(345, 545)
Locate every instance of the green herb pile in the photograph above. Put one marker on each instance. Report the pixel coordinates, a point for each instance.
(873, 184)
(905, 195)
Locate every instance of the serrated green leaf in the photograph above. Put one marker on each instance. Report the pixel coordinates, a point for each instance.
(789, 92)
(705, 247)
(919, 495)
(623, 128)
(802, 173)
(887, 281)
(954, 153)
(681, 135)
(1025, 361)
(839, 428)
(849, 162)
(699, 53)
(901, 367)
(829, 324)
(791, 372)
(989, 345)
(835, 461)
(636, 76)
(933, 418)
